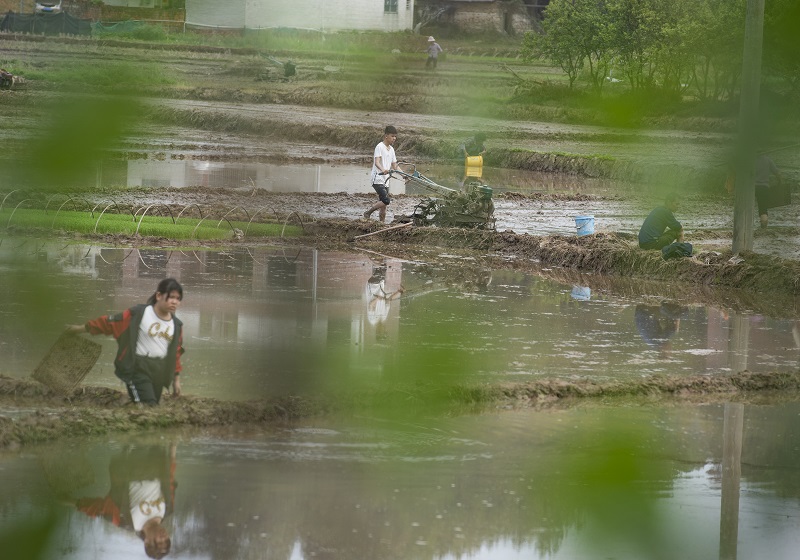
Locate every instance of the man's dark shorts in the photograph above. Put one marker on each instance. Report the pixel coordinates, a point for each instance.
(666, 238)
(383, 193)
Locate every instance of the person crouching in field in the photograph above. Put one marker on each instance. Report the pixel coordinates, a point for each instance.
(149, 343)
(660, 228)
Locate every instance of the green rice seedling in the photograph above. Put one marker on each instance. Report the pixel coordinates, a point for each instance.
(148, 226)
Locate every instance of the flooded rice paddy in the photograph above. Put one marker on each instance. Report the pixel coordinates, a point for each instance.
(265, 322)
(627, 479)
(580, 483)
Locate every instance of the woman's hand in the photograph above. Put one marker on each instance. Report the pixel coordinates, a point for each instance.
(76, 329)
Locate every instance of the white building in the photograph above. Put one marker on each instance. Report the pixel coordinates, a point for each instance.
(323, 15)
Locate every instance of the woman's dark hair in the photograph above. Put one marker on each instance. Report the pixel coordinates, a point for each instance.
(166, 286)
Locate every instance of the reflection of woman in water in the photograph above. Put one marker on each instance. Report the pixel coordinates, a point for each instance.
(141, 495)
(657, 324)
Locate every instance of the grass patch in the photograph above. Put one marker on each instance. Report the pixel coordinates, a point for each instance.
(79, 75)
(602, 157)
(211, 228)
(310, 41)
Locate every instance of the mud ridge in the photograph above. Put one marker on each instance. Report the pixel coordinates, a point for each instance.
(604, 167)
(655, 386)
(619, 254)
(615, 254)
(94, 410)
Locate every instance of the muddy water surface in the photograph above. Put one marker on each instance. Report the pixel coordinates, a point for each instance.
(262, 322)
(612, 214)
(333, 178)
(627, 482)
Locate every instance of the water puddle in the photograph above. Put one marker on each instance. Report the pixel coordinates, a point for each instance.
(349, 178)
(262, 322)
(626, 482)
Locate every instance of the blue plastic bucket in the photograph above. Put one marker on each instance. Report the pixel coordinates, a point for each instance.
(584, 224)
(581, 293)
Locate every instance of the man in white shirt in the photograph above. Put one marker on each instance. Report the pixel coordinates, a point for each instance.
(383, 161)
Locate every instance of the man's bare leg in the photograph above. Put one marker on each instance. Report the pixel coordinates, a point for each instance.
(380, 206)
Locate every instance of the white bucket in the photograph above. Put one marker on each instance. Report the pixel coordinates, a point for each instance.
(584, 224)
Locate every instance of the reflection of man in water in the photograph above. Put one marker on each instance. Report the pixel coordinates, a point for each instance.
(658, 323)
(378, 299)
(141, 495)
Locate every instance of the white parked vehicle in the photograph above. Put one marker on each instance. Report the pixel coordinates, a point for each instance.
(48, 7)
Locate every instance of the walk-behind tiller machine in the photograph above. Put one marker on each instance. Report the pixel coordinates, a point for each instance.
(470, 208)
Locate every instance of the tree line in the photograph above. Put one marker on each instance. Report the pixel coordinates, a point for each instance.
(691, 47)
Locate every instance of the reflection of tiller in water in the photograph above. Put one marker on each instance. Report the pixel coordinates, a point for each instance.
(472, 208)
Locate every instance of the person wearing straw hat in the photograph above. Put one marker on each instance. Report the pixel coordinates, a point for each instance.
(433, 51)
(149, 343)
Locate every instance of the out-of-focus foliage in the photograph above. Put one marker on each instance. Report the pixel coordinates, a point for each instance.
(71, 136)
(28, 539)
(73, 132)
(76, 132)
(615, 490)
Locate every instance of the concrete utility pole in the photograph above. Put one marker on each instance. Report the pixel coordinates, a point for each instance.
(748, 128)
(732, 431)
